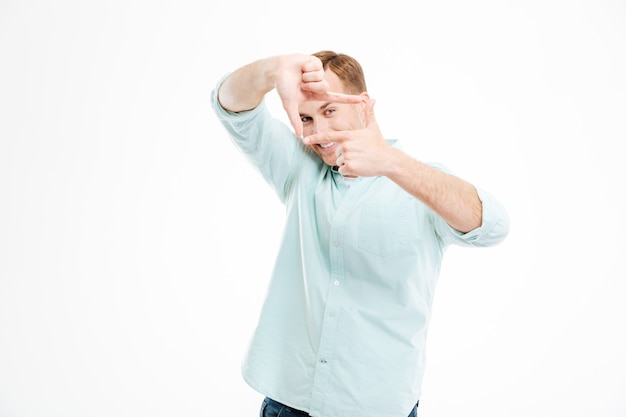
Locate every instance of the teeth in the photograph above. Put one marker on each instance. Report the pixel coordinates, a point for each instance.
(327, 145)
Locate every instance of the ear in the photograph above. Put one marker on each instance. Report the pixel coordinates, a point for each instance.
(367, 107)
(365, 104)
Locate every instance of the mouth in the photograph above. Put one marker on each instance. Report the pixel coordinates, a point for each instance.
(327, 145)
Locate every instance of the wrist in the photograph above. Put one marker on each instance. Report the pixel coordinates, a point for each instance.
(395, 163)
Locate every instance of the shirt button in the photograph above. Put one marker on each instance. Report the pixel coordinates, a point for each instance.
(331, 314)
(336, 243)
(336, 283)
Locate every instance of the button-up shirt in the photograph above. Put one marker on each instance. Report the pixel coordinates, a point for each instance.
(342, 330)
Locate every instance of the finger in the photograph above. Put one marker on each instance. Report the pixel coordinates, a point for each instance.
(294, 117)
(343, 98)
(322, 138)
(343, 168)
(313, 64)
(313, 76)
(318, 88)
(341, 160)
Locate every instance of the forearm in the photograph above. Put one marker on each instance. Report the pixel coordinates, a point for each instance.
(452, 198)
(245, 88)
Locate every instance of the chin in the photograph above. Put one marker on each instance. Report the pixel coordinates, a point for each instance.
(331, 163)
(328, 161)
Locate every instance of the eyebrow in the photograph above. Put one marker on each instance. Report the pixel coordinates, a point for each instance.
(322, 107)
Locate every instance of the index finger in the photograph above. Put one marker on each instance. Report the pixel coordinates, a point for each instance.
(326, 137)
(338, 97)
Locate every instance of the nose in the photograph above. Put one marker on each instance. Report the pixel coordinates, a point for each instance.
(320, 125)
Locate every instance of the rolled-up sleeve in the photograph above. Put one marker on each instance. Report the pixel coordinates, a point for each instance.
(493, 230)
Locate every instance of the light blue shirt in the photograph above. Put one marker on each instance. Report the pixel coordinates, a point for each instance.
(342, 331)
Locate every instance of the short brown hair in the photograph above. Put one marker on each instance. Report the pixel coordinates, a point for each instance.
(347, 69)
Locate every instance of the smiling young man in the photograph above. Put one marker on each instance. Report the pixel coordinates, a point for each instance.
(342, 331)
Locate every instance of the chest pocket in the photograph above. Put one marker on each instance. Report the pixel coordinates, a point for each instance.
(384, 229)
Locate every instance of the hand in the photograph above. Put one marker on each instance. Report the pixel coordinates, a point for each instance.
(362, 152)
(299, 78)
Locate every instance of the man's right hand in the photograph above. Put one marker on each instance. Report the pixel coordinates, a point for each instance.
(296, 77)
(300, 78)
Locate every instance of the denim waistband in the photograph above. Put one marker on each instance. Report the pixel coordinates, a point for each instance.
(293, 411)
(299, 412)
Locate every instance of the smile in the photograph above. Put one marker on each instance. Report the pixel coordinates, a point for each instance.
(326, 145)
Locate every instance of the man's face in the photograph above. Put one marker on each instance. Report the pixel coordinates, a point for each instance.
(322, 116)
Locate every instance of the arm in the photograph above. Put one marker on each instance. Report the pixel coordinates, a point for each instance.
(365, 152)
(452, 198)
(245, 88)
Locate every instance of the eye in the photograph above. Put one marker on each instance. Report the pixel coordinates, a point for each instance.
(305, 119)
(329, 112)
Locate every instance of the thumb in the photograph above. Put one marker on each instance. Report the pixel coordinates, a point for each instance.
(291, 107)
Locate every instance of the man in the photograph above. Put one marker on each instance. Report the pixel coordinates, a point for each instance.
(343, 328)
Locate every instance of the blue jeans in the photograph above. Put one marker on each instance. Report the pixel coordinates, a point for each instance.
(271, 408)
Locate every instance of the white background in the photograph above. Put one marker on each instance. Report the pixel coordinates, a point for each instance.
(136, 243)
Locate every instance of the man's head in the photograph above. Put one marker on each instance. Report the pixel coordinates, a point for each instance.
(344, 75)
